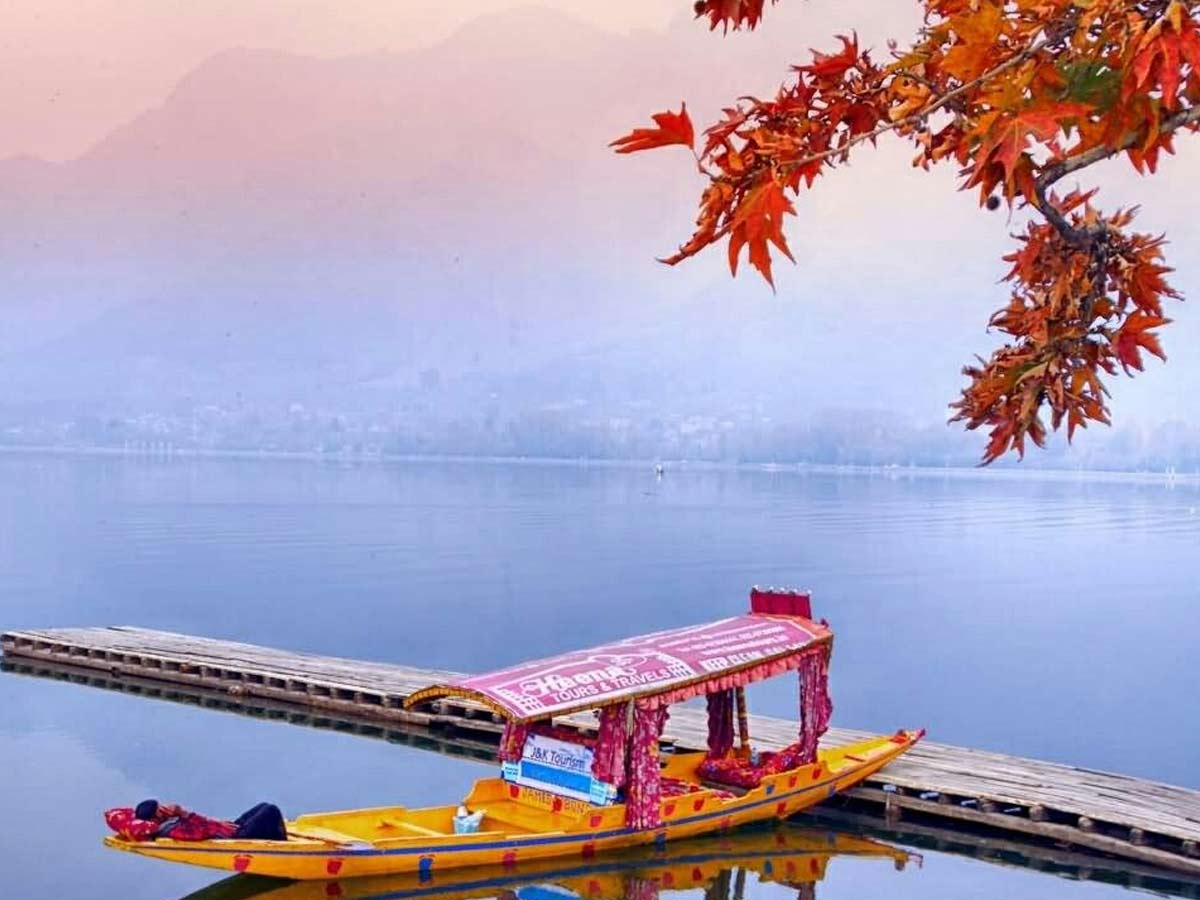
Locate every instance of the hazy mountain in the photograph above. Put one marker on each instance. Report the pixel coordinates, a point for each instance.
(280, 219)
(277, 212)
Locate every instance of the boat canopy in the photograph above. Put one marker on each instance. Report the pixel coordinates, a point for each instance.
(657, 669)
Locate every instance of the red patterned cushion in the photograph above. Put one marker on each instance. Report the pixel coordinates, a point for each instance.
(741, 773)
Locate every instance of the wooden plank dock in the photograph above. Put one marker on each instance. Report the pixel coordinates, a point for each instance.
(1154, 824)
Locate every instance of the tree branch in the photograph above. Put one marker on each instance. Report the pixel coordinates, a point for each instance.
(924, 112)
(1079, 237)
(914, 119)
(1092, 239)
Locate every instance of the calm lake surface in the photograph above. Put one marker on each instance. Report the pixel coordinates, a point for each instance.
(1049, 618)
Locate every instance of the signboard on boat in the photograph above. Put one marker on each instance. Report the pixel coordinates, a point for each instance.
(650, 663)
(560, 767)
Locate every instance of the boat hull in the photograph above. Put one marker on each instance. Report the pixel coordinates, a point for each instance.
(520, 824)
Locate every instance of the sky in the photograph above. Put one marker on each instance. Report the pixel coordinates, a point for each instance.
(71, 70)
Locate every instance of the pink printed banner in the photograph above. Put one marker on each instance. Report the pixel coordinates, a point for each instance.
(639, 666)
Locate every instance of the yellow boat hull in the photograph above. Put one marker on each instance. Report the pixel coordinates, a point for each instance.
(520, 824)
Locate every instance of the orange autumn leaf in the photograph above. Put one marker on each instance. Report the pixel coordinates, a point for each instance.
(1135, 335)
(1161, 55)
(1004, 157)
(671, 128)
(730, 13)
(834, 65)
(759, 222)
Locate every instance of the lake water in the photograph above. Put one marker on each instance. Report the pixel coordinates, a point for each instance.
(1049, 618)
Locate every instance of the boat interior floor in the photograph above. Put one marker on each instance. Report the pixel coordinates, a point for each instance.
(724, 788)
(512, 817)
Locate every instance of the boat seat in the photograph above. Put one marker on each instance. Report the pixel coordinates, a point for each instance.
(521, 818)
(324, 835)
(389, 824)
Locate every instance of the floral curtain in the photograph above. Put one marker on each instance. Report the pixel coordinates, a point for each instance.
(720, 723)
(608, 765)
(815, 705)
(644, 796)
(512, 741)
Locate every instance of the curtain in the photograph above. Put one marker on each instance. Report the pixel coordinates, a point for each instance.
(720, 723)
(608, 765)
(644, 796)
(512, 741)
(815, 705)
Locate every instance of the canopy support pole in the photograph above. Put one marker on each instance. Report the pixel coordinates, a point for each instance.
(743, 720)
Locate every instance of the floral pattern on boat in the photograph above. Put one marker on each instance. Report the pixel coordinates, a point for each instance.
(736, 771)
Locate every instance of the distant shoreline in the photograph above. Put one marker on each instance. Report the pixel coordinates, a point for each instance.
(890, 471)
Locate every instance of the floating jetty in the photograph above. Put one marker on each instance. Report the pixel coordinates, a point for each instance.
(934, 784)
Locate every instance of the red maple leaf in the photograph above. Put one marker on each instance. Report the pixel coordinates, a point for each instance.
(730, 12)
(1003, 158)
(673, 128)
(1135, 335)
(833, 65)
(757, 222)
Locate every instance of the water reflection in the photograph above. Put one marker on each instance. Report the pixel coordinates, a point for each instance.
(784, 861)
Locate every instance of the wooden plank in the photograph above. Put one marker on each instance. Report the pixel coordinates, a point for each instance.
(1005, 851)
(1064, 833)
(1135, 818)
(414, 734)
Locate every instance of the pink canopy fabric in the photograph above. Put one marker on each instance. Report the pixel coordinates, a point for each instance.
(720, 723)
(816, 708)
(644, 794)
(668, 666)
(609, 762)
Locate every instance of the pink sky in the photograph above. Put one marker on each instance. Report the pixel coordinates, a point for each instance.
(72, 70)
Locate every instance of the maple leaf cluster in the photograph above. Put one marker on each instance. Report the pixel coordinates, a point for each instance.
(1016, 94)
(1074, 313)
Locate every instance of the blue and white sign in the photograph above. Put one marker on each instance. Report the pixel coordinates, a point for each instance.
(559, 767)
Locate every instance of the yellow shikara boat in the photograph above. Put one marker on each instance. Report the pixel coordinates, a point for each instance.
(567, 792)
